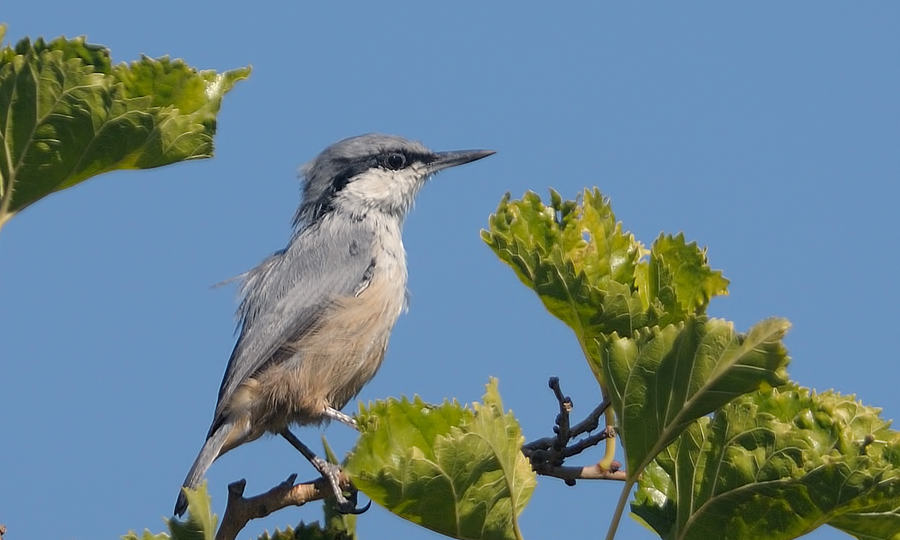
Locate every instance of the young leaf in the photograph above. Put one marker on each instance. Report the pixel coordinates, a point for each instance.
(592, 275)
(200, 523)
(663, 379)
(777, 464)
(574, 255)
(67, 113)
(455, 470)
(678, 279)
(131, 535)
(311, 531)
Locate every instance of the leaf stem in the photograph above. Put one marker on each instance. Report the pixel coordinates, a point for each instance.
(610, 455)
(620, 507)
(610, 416)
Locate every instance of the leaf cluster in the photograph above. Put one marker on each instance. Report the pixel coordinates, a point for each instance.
(773, 461)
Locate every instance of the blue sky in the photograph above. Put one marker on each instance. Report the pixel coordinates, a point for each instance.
(767, 132)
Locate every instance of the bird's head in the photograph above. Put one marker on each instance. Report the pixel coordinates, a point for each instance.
(373, 172)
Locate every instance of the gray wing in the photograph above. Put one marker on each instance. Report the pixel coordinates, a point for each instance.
(285, 296)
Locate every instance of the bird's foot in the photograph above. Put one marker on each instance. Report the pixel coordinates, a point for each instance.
(345, 504)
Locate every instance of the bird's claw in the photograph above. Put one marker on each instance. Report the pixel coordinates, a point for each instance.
(343, 503)
(349, 504)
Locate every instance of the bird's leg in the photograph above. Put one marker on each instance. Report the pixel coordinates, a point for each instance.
(331, 473)
(345, 419)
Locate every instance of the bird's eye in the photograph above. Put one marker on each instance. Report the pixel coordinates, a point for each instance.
(395, 161)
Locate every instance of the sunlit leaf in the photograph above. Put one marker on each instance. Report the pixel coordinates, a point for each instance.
(147, 535)
(575, 256)
(67, 113)
(678, 279)
(591, 274)
(663, 379)
(304, 531)
(777, 464)
(452, 469)
(200, 522)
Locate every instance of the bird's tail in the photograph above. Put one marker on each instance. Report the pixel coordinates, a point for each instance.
(212, 448)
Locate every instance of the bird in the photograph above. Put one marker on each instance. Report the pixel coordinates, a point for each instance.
(316, 316)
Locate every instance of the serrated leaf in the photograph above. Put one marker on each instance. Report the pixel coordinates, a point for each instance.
(131, 535)
(574, 255)
(304, 531)
(592, 275)
(679, 279)
(200, 522)
(455, 470)
(663, 379)
(67, 113)
(777, 464)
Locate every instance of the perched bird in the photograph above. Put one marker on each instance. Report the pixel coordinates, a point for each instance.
(316, 316)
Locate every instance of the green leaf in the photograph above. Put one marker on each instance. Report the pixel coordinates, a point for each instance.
(593, 276)
(874, 523)
(452, 469)
(777, 464)
(678, 279)
(67, 113)
(131, 535)
(303, 531)
(574, 255)
(663, 379)
(200, 523)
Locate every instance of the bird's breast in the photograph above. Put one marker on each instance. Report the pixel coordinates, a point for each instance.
(341, 354)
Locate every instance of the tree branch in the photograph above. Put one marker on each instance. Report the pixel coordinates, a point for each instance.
(592, 472)
(240, 510)
(548, 454)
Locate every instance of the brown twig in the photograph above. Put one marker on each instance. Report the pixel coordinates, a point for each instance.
(592, 472)
(240, 510)
(548, 454)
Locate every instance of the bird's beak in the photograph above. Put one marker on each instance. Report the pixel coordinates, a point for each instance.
(444, 160)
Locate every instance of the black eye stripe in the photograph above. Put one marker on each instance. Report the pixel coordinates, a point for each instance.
(350, 169)
(399, 159)
(390, 160)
